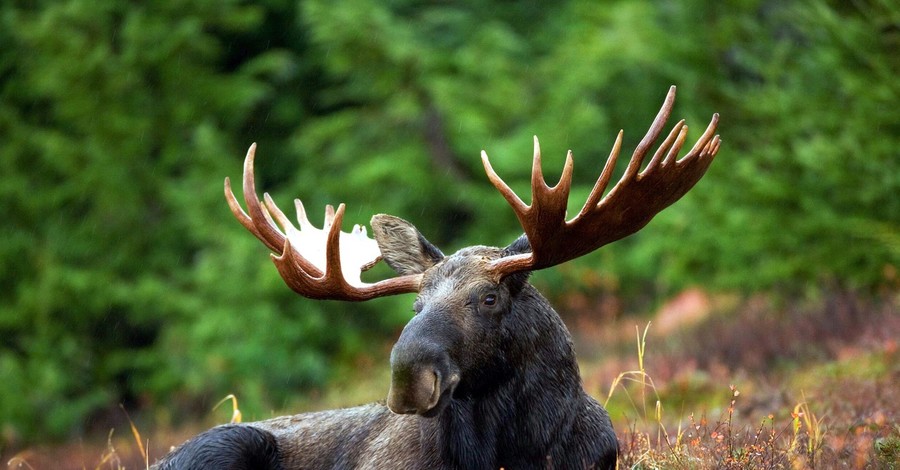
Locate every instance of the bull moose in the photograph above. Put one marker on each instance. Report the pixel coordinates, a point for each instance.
(484, 375)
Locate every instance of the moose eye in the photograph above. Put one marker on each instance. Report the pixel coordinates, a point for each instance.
(489, 300)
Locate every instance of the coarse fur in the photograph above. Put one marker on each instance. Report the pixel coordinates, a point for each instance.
(484, 375)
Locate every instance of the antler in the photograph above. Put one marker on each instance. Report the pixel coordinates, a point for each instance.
(629, 206)
(319, 264)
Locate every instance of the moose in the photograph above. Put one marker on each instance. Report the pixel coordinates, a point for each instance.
(484, 375)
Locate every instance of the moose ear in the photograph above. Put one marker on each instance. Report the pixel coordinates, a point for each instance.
(402, 246)
(518, 247)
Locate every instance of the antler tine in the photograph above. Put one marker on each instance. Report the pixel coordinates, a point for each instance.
(260, 218)
(715, 148)
(548, 204)
(315, 277)
(670, 146)
(333, 247)
(629, 205)
(329, 217)
(652, 134)
(539, 183)
(256, 221)
(511, 197)
(302, 218)
(602, 182)
(708, 134)
(238, 211)
(274, 214)
(537, 174)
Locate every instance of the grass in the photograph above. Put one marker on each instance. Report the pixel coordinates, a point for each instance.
(829, 399)
(851, 425)
(700, 443)
(755, 384)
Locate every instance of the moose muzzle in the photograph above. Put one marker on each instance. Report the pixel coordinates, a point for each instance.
(423, 376)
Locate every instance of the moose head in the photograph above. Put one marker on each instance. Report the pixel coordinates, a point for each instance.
(463, 296)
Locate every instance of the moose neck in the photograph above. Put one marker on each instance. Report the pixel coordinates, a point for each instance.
(533, 404)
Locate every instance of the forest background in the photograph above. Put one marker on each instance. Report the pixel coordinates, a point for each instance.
(125, 279)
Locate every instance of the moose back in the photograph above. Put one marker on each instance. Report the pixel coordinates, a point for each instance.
(484, 375)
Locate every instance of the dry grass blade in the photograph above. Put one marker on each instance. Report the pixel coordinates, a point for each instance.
(110, 456)
(235, 411)
(803, 417)
(640, 375)
(137, 437)
(19, 461)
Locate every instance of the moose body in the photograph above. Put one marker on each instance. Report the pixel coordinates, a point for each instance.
(484, 375)
(518, 402)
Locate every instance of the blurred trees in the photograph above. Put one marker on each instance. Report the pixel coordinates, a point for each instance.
(125, 278)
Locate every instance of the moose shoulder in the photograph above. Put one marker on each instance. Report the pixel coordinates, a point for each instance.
(484, 375)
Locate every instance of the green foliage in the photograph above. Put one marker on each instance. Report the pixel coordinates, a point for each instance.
(126, 279)
(810, 195)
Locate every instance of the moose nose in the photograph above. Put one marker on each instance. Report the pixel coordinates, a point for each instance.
(414, 392)
(423, 375)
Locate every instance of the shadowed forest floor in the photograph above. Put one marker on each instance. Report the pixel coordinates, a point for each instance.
(711, 383)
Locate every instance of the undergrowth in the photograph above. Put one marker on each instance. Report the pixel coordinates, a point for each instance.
(806, 435)
(122, 455)
(703, 443)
